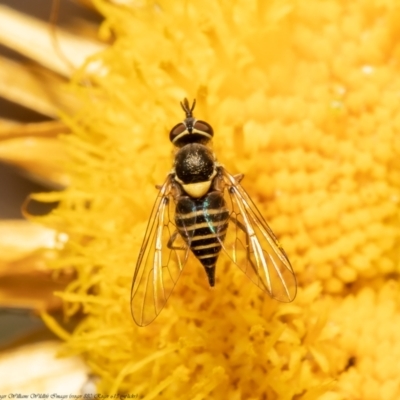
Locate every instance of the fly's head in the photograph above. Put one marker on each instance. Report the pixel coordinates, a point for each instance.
(190, 130)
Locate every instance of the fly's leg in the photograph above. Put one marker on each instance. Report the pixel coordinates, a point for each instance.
(243, 228)
(220, 183)
(171, 241)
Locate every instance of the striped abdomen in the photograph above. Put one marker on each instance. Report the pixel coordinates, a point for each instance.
(203, 223)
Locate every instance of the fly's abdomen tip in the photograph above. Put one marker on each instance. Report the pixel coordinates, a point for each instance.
(211, 275)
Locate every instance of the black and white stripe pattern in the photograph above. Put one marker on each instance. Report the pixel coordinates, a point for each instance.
(203, 224)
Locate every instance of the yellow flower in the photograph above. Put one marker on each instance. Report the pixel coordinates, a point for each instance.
(303, 97)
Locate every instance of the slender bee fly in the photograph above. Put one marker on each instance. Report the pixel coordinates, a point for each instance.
(202, 208)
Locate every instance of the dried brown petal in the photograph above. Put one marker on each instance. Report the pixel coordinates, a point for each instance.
(34, 88)
(25, 280)
(42, 157)
(35, 368)
(19, 238)
(9, 130)
(86, 3)
(33, 38)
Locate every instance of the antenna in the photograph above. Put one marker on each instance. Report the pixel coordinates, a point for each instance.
(188, 110)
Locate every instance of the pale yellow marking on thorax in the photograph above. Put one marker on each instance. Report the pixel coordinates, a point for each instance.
(198, 189)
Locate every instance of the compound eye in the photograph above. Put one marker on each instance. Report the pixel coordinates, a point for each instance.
(204, 128)
(176, 132)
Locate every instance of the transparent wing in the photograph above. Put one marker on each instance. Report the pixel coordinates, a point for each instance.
(161, 259)
(253, 247)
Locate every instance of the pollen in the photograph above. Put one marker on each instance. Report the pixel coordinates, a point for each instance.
(303, 99)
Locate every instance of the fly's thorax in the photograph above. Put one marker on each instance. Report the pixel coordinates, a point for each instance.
(195, 169)
(191, 130)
